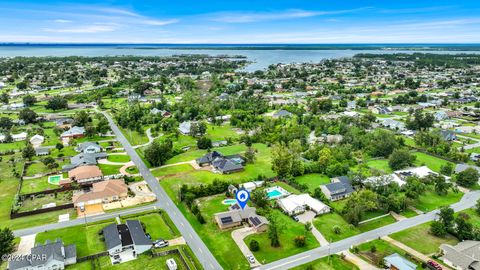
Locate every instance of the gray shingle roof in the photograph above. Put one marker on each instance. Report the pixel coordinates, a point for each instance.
(137, 233)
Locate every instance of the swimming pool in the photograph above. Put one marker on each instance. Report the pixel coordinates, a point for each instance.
(229, 201)
(54, 179)
(276, 192)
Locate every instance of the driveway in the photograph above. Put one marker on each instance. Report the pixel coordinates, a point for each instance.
(309, 216)
(27, 242)
(361, 264)
(238, 236)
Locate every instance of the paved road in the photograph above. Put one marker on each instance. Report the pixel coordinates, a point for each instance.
(191, 237)
(163, 201)
(467, 201)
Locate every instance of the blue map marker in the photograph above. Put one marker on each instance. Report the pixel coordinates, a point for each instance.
(242, 197)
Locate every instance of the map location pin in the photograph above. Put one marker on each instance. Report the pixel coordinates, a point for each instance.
(242, 197)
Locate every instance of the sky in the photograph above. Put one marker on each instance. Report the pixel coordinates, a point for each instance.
(237, 22)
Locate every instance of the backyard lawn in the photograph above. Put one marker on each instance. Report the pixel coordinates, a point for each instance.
(433, 163)
(334, 262)
(155, 225)
(382, 249)
(420, 239)
(313, 180)
(218, 133)
(36, 185)
(144, 262)
(290, 230)
(86, 238)
(36, 202)
(379, 164)
(377, 223)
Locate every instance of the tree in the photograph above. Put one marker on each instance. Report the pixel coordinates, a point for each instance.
(441, 185)
(447, 169)
(28, 152)
(383, 142)
(281, 160)
(29, 100)
(358, 204)
(420, 121)
(7, 245)
(250, 155)
(81, 118)
(59, 146)
(141, 87)
(477, 207)
(446, 217)
(28, 115)
(22, 85)
(4, 98)
(157, 153)
(102, 126)
(463, 229)
(438, 229)
(308, 226)
(336, 229)
(198, 129)
(299, 241)
(274, 230)
(57, 103)
(5, 123)
(401, 158)
(260, 198)
(254, 245)
(468, 177)
(204, 143)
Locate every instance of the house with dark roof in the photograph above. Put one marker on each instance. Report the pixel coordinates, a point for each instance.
(339, 188)
(125, 241)
(84, 159)
(51, 255)
(236, 216)
(282, 113)
(221, 163)
(89, 148)
(464, 256)
(448, 135)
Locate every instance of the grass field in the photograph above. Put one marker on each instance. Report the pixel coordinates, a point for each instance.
(383, 249)
(335, 262)
(379, 164)
(86, 238)
(134, 137)
(108, 169)
(325, 224)
(144, 262)
(217, 133)
(155, 225)
(118, 158)
(313, 180)
(430, 200)
(377, 223)
(420, 239)
(290, 230)
(36, 185)
(433, 163)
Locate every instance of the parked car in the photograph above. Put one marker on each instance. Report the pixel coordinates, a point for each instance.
(251, 259)
(160, 243)
(434, 265)
(295, 218)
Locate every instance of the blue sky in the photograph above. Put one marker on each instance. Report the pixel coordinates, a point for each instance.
(260, 21)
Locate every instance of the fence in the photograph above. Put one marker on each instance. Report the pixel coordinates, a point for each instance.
(14, 215)
(172, 251)
(92, 257)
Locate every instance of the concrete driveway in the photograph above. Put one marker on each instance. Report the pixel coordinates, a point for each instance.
(238, 236)
(27, 242)
(309, 216)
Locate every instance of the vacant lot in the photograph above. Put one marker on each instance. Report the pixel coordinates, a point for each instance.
(313, 180)
(334, 262)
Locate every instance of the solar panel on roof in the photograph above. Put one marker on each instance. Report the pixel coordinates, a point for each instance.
(255, 221)
(226, 220)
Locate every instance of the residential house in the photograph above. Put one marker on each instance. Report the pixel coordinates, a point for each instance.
(102, 192)
(282, 114)
(251, 186)
(297, 204)
(74, 132)
(397, 262)
(383, 180)
(440, 115)
(420, 172)
(463, 256)
(380, 110)
(448, 135)
(83, 175)
(185, 127)
(37, 140)
(64, 122)
(339, 188)
(84, 159)
(462, 167)
(19, 137)
(89, 148)
(51, 255)
(236, 216)
(125, 242)
(42, 151)
(221, 163)
(392, 124)
(475, 157)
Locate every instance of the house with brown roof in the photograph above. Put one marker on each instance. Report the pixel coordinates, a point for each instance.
(83, 175)
(236, 216)
(102, 192)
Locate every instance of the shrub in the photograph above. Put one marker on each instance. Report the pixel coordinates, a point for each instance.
(336, 229)
(254, 245)
(300, 241)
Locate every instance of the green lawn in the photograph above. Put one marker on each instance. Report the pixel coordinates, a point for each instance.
(36, 185)
(377, 223)
(313, 180)
(108, 169)
(12, 146)
(408, 213)
(383, 249)
(379, 164)
(85, 237)
(144, 262)
(218, 133)
(182, 168)
(226, 150)
(118, 158)
(155, 226)
(291, 229)
(433, 163)
(430, 200)
(134, 137)
(326, 222)
(334, 262)
(38, 201)
(420, 239)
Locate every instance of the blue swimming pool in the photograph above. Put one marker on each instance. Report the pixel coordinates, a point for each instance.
(276, 192)
(229, 201)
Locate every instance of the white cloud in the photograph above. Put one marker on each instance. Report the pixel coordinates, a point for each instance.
(62, 21)
(158, 22)
(95, 28)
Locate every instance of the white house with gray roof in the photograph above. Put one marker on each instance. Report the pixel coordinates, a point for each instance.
(51, 255)
(464, 256)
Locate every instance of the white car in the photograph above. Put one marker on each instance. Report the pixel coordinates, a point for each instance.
(251, 259)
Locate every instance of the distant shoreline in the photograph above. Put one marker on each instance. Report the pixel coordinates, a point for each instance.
(386, 47)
